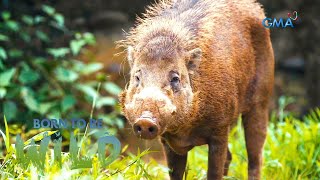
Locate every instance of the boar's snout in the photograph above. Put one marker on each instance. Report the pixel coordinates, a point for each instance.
(149, 111)
(146, 128)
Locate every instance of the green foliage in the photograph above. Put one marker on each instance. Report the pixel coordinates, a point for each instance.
(39, 74)
(6, 76)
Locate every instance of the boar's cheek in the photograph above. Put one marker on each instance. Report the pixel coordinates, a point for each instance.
(127, 108)
(122, 99)
(194, 106)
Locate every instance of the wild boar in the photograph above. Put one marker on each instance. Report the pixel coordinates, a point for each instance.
(196, 65)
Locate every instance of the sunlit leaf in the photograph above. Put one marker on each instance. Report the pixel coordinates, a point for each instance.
(112, 88)
(5, 15)
(91, 68)
(3, 54)
(27, 19)
(59, 19)
(42, 36)
(39, 19)
(12, 25)
(89, 38)
(29, 100)
(10, 109)
(7, 137)
(3, 92)
(66, 75)
(15, 53)
(39, 137)
(76, 45)
(88, 90)
(58, 52)
(105, 101)
(3, 37)
(48, 9)
(6, 76)
(28, 76)
(68, 102)
(44, 107)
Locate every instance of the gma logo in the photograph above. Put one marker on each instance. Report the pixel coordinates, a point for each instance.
(269, 23)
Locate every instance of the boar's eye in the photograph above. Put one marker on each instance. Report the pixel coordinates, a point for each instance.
(175, 82)
(137, 78)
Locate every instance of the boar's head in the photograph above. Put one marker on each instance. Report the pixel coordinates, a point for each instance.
(159, 96)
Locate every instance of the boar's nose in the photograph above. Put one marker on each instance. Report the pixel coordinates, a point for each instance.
(145, 128)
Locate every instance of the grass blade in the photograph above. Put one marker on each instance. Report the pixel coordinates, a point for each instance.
(39, 136)
(7, 137)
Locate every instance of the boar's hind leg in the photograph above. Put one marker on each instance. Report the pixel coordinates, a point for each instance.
(255, 126)
(176, 162)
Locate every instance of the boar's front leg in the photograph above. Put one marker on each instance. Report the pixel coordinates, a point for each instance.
(218, 147)
(176, 162)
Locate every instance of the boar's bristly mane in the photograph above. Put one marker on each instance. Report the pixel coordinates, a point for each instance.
(170, 27)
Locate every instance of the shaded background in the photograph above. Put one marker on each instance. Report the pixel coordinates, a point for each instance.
(297, 52)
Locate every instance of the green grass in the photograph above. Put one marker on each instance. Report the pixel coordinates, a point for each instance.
(292, 151)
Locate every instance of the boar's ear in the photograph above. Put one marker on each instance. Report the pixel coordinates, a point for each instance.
(130, 55)
(194, 60)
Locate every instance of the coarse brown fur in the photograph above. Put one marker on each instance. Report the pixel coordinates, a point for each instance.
(235, 76)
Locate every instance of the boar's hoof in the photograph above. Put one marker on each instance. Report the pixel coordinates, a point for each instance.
(145, 128)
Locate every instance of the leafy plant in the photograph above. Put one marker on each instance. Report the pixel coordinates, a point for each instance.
(39, 74)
